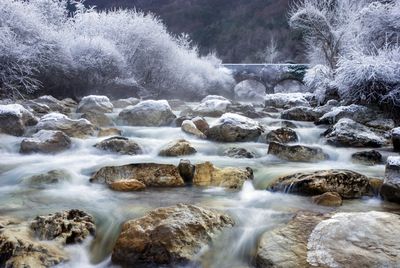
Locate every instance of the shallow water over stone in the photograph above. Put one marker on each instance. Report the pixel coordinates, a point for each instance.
(254, 209)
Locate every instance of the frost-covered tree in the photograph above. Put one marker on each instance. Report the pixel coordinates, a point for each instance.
(45, 47)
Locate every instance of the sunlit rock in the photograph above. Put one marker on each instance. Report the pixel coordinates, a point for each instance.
(177, 148)
(237, 152)
(297, 153)
(286, 100)
(168, 236)
(235, 128)
(151, 175)
(148, 113)
(105, 132)
(201, 124)
(390, 189)
(369, 158)
(14, 119)
(281, 135)
(358, 239)
(79, 128)
(206, 174)
(189, 127)
(347, 132)
(95, 104)
(130, 185)
(120, 145)
(348, 184)
(46, 141)
(330, 199)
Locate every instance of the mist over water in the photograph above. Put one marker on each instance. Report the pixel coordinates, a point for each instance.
(254, 209)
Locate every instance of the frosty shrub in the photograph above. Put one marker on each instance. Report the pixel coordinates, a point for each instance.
(88, 51)
(318, 79)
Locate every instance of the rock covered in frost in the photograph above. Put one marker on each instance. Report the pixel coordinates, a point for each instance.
(297, 153)
(119, 145)
(95, 104)
(212, 107)
(396, 139)
(347, 132)
(54, 104)
(235, 128)
(150, 113)
(14, 119)
(214, 97)
(74, 128)
(286, 100)
(301, 114)
(390, 189)
(170, 236)
(46, 141)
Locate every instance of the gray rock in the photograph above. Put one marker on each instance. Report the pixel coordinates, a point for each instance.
(297, 153)
(46, 141)
(367, 157)
(301, 114)
(119, 145)
(95, 104)
(396, 139)
(282, 135)
(390, 189)
(14, 119)
(236, 152)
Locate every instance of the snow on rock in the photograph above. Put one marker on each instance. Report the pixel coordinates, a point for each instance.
(360, 239)
(46, 141)
(213, 97)
(150, 113)
(73, 128)
(95, 104)
(54, 104)
(396, 139)
(123, 103)
(390, 189)
(14, 119)
(212, 107)
(232, 127)
(347, 132)
(286, 100)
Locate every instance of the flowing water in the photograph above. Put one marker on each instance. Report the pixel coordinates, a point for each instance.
(254, 209)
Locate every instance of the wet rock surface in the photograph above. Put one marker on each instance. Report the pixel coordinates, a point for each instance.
(46, 141)
(120, 145)
(282, 135)
(331, 199)
(297, 153)
(190, 127)
(236, 152)
(390, 189)
(348, 184)
(372, 157)
(168, 236)
(301, 114)
(177, 148)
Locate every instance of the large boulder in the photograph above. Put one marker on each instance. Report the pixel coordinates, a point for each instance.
(177, 148)
(123, 103)
(358, 239)
(190, 127)
(348, 184)
(151, 175)
(282, 135)
(14, 119)
(301, 114)
(68, 227)
(396, 139)
(206, 174)
(170, 236)
(98, 119)
(286, 100)
(357, 113)
(54, 104)
(38, 109)
(235, 128)
(149, 113)
(347, 132)
(212, 106)
(46, 141)
(130, 185)
(201, 124)
(74, 128)
(119, 145)
(369, 158)
(297, 153)
(95, 104)
(390, 189)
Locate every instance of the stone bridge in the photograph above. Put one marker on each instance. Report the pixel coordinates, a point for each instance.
(269, 75)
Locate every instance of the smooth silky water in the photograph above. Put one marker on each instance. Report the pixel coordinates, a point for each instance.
(254, 209)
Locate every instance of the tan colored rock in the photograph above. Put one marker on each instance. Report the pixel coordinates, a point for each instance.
(105, 132)
(348, 184)
(177, 148)
(97, 119)
(168, 236)
(150, 174)
(189, 127)
(297, 153)
(120, 145)
(201, 124)
(282, 135)
(127, 185)
(206, 174)
(330, 199)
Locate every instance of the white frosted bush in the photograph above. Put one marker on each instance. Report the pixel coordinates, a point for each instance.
(318, 79)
